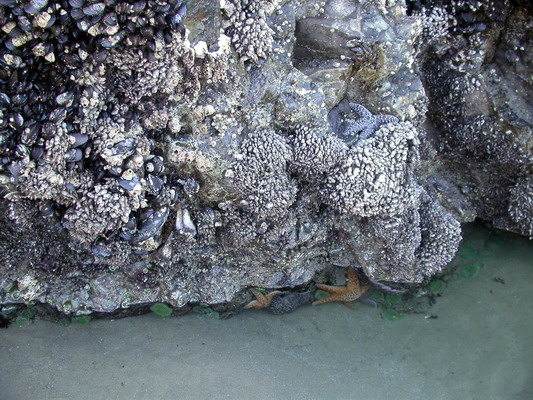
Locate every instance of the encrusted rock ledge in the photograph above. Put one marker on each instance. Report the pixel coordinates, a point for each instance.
(163, 152)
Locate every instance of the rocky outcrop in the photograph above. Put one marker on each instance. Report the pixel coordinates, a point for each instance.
(164, 152)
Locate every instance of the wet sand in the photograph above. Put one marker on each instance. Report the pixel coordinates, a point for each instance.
(479, 348)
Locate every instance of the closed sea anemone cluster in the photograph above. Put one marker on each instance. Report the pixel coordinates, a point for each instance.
(315, 153)
(440, 236)
(376, 176)
(246, 25)
(413, 245)
(261, 174)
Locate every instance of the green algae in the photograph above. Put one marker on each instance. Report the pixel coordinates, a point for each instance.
(29, 312)
(391, 314)
(25, 316)
(467, 251)
(161, 310)
(22, 321)
(64, 322)
(393, 298)
(321, 294)
(471, 270)
(380, 296)
(436, 286)
(82, 319)
(206, 313)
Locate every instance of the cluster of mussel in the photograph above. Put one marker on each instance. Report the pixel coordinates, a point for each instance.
(43, 45)
(93, 25)
(144, 227)
(466, 14)
(43, 48)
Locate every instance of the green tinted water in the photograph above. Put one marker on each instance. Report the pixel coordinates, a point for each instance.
(475, 342)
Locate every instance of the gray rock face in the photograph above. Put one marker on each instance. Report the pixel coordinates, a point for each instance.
(474, 68)
(201, 149)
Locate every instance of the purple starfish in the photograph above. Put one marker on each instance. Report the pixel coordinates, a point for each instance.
(366, 123)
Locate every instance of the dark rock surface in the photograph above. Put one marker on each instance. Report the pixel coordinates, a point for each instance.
(163, 152)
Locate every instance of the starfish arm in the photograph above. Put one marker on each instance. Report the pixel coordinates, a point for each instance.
(262, 300)
(352, 281)
(344, 294)
(350, 128)
(368, 131)
(386, 119)
(259, 302)
(329, 299)
(271, 295)
(252, 304)
(258, 295)
(360, 110)
(349, 305)
(331, 289)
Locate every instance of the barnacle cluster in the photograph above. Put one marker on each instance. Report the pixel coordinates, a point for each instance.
(315, 153)
(261, 176)
(521, 205)
(376, 177)
(440, 236)
(412, 245)
(83, 82)
(246, 25)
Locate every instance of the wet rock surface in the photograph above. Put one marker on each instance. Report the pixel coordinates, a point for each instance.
(159, 151)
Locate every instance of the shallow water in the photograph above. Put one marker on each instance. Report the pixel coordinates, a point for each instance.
(479, 347)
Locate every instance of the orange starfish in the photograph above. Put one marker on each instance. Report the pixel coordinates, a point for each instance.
(261, 300)
(345, 294)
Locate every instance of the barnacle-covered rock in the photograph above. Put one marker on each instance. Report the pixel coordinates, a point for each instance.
(315, 153)
(385, 247)
(408, 247)
(301, 102)
(260, 175)
(440, 237)
(484, 126)
(246, 24)
(377, 176)
(521, 205)
(163, 151)
(99, 211)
